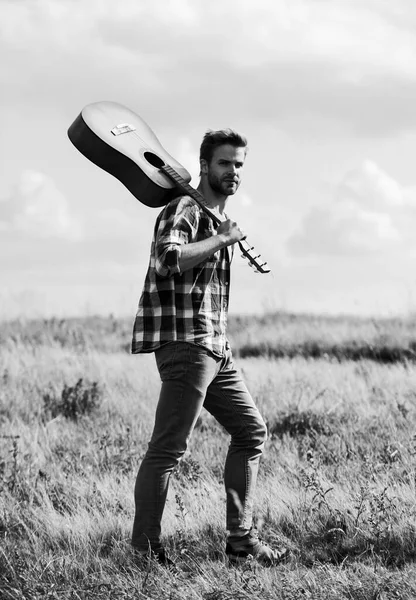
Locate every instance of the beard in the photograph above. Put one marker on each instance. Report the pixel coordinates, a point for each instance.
(221, 186)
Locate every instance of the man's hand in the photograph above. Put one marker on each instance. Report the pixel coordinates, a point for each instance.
(194, 253)
(230, 232)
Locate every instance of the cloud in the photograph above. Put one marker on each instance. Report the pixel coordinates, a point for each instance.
(369, 186)
(40, 232)
(187, 154)
(371, 214)
(351, 62)
(38, 209)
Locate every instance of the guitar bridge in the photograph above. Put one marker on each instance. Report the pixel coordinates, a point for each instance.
(123, 128)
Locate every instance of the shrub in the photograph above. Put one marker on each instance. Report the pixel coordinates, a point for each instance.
(75, 401)
(296, 422)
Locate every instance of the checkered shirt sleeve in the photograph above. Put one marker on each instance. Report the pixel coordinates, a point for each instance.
(177, 225)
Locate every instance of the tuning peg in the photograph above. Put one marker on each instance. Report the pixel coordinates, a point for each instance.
(243, 256)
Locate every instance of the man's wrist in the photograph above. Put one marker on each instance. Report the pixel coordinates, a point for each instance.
(223, 240)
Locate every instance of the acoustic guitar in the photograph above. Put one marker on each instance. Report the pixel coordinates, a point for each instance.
(120, 142)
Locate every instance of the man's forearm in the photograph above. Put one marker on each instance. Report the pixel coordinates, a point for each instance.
(193, 254)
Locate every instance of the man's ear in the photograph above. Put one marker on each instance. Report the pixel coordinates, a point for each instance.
(203, 165)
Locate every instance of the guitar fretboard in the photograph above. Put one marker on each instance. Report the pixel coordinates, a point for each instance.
(172, 174)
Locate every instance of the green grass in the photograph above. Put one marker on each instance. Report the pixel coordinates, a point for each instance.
(336, 485)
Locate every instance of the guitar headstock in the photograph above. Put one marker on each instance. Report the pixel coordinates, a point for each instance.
(259, 266)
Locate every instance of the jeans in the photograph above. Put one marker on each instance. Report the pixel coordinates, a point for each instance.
(193, 378)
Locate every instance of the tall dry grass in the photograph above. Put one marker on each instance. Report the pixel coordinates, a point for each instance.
(336, 484)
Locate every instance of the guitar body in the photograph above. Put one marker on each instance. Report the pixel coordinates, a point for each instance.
(117, 140)
(120, 142)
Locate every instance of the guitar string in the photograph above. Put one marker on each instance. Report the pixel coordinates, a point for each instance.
(246, 251)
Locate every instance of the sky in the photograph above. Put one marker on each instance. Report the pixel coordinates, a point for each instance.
(325, 92)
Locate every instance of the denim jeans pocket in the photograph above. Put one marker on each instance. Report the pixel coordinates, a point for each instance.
(172, 360)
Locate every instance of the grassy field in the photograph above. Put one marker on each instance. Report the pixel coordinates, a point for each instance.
(336, 484)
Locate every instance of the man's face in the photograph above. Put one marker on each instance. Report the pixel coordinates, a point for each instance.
(225, 169)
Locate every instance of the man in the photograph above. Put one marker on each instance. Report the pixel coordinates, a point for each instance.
(182, 318)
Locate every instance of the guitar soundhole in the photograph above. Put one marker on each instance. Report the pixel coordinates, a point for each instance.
(154, 160)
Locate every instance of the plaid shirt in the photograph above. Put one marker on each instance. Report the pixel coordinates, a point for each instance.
(191, 306)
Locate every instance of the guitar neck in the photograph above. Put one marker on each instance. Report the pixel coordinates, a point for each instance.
(197, 196)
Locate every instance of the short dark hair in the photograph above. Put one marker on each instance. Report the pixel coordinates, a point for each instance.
(214, 139)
